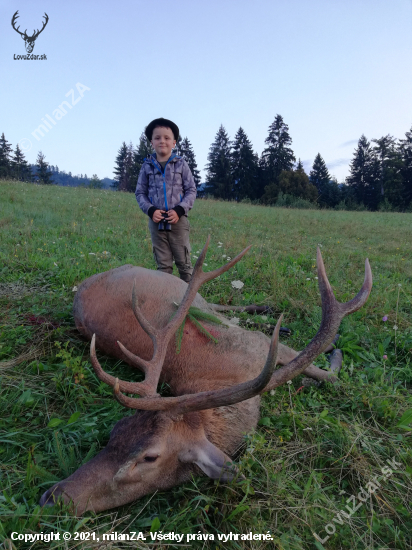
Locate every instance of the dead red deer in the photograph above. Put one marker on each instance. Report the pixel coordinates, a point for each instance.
(216, 387)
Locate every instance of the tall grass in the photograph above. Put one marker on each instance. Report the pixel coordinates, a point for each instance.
(314, 448)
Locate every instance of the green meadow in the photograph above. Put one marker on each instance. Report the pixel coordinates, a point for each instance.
(316, 448)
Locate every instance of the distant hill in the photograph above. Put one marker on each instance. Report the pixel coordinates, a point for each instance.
(66, 179)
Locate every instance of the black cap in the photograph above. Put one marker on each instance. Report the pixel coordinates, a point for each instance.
(161, 122)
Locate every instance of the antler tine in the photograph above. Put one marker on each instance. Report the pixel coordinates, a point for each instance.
(144, 323)
(209, 399)
(44, 24)
(198, 278)
(332, 314)
(13, 21)
(140, 388)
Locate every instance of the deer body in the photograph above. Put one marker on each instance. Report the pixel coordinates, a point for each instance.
(216, 387)
(103, 306)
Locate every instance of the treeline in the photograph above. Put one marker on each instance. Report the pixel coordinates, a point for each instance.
(14, 166)
(380, 173)
(130, 159)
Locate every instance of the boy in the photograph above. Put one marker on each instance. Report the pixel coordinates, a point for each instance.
(166, 192)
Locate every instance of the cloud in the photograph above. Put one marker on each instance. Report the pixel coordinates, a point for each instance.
(348, 143)
(336, 163)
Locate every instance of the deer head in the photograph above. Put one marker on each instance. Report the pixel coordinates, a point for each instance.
(28, 40)
(166, 440)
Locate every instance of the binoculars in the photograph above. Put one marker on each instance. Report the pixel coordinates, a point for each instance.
(164, 225)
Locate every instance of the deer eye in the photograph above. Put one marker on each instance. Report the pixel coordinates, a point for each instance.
(150, 458)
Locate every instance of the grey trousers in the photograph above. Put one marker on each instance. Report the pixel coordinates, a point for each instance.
(172, 245)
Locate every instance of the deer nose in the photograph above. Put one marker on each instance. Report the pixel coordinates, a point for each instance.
(49, 498)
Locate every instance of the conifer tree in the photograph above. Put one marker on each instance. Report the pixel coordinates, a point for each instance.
(244, 168)
(20, 167)
(142, 151)
(129, 182)
(299, 166)
(319, 176)
(186, 151)
(5, 157)
(405, 150)
(390, 163)
(219, 176)
(120, 168)
(145, 148)
(278, 156)
(363, 175)
(42, 170)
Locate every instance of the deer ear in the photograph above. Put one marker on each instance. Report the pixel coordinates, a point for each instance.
(211, 460)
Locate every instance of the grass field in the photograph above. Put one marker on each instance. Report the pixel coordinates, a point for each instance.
(314, 449)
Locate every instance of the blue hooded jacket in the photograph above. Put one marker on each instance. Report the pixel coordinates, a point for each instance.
(165, 190)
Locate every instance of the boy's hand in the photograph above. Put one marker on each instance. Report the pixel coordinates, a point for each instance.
(158, 215)
(172, 216)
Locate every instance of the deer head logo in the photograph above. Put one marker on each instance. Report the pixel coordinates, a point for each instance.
(28, 40)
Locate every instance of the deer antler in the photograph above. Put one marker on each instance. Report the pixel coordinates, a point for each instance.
(41, 30)
(35, 35)
(332, 314)
(160, 337)
(13, 21)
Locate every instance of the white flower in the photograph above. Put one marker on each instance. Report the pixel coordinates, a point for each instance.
(55, 264)
(272, 392)
(197, 251)
(205, 265)
(329, 451)
(220, 246)
(92, 254)
(223, 255)
(238, 284)
(264, 317)
(219, 243)
(228, 258)
(308, 278)
(395, 327)
(289, 382)
(74, 289)
(194, 256)
(234, 320)
(319, 245)
(304, 429)
(316, 277)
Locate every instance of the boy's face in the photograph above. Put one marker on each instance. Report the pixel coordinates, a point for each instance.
(163, 142)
